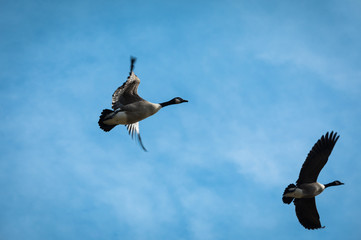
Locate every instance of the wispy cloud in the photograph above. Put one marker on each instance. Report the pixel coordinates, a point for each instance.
(216, 166)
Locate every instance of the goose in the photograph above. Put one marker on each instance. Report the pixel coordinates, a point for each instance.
(303, 193)
(129, 108)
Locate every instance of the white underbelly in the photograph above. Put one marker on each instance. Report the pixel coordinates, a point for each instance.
(307, 190)
(297, 193)
(119, 118)
(319, 188)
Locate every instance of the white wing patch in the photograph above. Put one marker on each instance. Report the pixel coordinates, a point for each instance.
(133, 130)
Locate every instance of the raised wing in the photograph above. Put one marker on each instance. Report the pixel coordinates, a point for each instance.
(133, 130)
(317, 158)
(128, 92)
(306, 212)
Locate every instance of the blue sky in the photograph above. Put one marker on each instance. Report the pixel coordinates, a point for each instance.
(264, 81)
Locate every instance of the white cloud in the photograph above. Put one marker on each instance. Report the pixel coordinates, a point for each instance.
(298, 43)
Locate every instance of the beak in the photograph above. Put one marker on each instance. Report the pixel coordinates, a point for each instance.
(185, 100)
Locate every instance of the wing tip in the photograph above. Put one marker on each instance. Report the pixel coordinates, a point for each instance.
(313, 227)
(141, 143)
(132, 62)
(133, 130)
(333, 136)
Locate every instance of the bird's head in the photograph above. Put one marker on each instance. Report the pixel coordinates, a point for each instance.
(178, 100)
(334, 183)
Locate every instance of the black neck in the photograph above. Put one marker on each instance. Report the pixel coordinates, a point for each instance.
(164, 104)
(331, 184)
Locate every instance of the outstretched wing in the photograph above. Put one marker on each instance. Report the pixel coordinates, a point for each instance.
(128, 92)
(133, 130)
(306, 212)
(317, 158)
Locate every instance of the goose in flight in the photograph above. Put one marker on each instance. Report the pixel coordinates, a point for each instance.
(303, 193)
(129, 108)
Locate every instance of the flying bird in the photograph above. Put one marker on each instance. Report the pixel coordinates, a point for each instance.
(303, 193)
(129, 108)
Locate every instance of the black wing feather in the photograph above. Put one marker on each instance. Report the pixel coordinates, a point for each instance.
(317, 158)
(306, 212)
(128, 92)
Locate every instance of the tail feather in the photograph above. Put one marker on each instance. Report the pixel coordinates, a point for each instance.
(102, 125)
(289, 188)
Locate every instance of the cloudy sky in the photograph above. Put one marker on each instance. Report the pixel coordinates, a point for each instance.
(264, 81)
